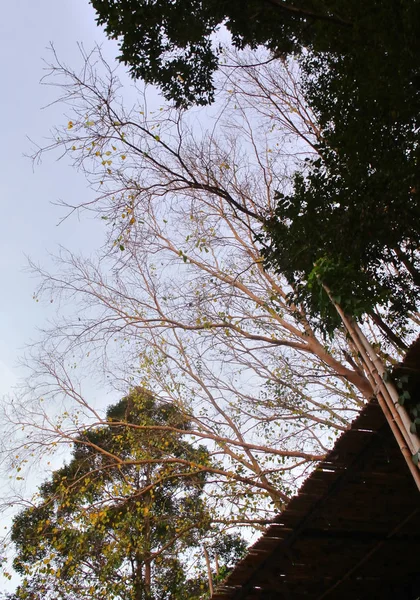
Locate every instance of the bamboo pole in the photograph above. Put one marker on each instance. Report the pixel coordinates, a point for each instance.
(405, 450)
(378, 385)
(385, 392)
(391, 390)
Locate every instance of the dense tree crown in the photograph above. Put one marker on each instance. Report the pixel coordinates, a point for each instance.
(125, 516)
(169, 43)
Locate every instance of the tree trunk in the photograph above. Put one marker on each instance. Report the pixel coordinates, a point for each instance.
(148, 543)
(138, 579)
(409, 266)
(209, 575)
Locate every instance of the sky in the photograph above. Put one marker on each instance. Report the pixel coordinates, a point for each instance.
(29, 220)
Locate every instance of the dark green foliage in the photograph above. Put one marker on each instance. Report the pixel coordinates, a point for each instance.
(120, 520)
(352, 220)
(165, 43)
(168, 42)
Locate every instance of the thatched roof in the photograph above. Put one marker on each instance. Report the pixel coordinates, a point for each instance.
(352, 532)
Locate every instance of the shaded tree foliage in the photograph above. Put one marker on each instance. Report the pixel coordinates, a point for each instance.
(352, 219)
(170, 43)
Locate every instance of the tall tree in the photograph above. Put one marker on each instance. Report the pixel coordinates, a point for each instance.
(181, 299)
(117, 520)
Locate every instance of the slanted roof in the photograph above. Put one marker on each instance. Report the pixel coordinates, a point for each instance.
(352, 532)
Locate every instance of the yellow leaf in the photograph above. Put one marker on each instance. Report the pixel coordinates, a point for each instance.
(70, 125)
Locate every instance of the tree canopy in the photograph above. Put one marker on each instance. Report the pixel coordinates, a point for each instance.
(170, 43)
(351, 217)
(124, 518)
(178, 301)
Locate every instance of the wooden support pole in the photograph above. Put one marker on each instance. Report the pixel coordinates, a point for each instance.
(389, 389)
(385, 392)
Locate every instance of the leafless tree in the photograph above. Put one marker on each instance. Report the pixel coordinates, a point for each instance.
(178, 299)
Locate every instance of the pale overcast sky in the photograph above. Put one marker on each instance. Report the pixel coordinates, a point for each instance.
(28, 223)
